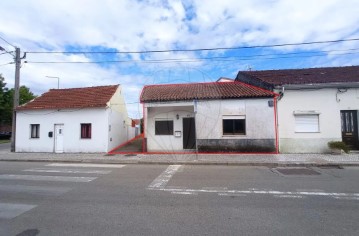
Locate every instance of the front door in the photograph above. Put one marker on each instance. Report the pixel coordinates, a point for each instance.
(189, 133)
(349, 120)
(59, 138)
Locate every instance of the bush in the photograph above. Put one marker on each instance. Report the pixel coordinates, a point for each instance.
(338, 145)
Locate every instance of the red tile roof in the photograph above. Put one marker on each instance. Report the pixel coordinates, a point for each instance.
(72, 98)
(201, 91)
(303, 76)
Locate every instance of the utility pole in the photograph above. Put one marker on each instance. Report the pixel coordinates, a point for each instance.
(16, 95)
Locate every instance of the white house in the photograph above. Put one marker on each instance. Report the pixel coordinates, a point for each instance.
(315, 106)
(208, 117)
(92, 119)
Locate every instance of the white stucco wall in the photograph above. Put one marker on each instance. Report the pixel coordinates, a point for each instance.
(208, 117)
(120, 130)
(327, 104)
(158, 112)
(259, 118)
(110, 127)
(71, 119)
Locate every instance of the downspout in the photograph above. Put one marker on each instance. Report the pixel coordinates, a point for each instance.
(195, 121)
(277, 99)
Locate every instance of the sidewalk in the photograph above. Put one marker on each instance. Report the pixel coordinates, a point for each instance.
(191, 159)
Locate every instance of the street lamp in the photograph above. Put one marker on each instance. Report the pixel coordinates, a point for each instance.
(58, 80)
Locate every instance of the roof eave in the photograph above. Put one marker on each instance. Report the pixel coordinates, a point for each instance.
(318, 85)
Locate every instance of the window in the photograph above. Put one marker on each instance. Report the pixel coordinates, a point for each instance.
(35, 131)
(164, 127)
(234, 125)
(85, 130)
(308, 123)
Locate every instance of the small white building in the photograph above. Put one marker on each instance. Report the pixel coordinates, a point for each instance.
(315, 106)
(208, 117)
(92, 119)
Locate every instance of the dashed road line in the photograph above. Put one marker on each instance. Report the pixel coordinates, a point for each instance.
(47, 178)
(161, 181)
(283, 194)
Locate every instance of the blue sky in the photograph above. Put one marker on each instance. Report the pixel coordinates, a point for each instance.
(128, 25)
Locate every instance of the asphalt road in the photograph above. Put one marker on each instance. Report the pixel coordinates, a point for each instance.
(85, 199)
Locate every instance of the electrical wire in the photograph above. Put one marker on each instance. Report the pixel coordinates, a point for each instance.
(7, 42)
(193, 50)
(188, 60)
(7, 64)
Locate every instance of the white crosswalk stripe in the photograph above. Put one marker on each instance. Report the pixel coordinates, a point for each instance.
(38, 190)
(47, 178)
(86, 165)
(68, 171)
(62, 173)
(10, 210)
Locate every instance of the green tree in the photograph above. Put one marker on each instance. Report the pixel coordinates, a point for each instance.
(7, 102)
(3, 94)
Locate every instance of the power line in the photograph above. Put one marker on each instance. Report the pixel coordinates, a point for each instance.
(7, 63)
(7, 42)
(176, 60)
(195, 50)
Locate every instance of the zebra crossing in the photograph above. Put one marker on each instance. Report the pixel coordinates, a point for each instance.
(49, 180)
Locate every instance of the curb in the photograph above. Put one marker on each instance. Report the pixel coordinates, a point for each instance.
(140, 162)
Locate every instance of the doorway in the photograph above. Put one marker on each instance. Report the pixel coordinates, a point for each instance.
(59, 138)
(189, 133)
(349, 120)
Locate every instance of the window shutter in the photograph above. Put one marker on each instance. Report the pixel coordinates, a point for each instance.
(307, 123)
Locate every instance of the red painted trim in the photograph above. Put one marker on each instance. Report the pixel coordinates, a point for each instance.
(200, 153)
(125, 143)
(276, 125)
(144, 130)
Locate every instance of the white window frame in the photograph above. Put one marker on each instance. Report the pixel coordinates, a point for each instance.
(306, 123)
(34, 131)
(235, 117)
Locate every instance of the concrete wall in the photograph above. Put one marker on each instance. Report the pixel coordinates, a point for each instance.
(325, 101)
(260, 128)
(71, 119)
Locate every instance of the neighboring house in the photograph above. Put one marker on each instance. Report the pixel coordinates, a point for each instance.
(92, 119)
(208, 117)
(315, 106)
(224, 79)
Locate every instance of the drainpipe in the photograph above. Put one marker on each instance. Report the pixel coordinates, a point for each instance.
(281, 94)
(195, 121)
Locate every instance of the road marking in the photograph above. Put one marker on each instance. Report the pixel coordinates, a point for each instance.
(262, 192)
(9, 211)
(184, 193)
(86, 165)
(69, 171)
(47, 178)
(348, 198)
(288, 196)
(162, 180)
(39, 190)
(232, 195)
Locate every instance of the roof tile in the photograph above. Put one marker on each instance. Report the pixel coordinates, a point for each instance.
(72, 98)
(306, 76)
(201, 91)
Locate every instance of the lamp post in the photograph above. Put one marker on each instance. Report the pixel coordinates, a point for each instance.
(58, 80)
